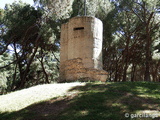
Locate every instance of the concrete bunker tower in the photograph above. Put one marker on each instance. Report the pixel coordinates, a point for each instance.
(81, 50)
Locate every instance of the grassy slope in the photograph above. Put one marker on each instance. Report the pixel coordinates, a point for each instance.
(20, 99)
(95, 101)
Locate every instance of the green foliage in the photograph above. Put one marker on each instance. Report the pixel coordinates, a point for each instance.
(132, 30)
(56, 8)
(98, 8)
(3, 80)
(6, 72)
(32, 37)
(70, 8)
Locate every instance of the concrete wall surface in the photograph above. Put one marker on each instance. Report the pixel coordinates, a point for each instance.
(81, 49)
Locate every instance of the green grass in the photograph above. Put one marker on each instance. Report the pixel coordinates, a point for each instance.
(96, 101)
(18, 100)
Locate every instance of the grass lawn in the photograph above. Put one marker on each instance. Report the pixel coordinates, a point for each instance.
(95, 101)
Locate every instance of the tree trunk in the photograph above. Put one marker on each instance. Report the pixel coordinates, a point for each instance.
(19, 66)
(155, 70)
(126, 58)
(133, 73)
(148, 56)
(22, 82)
(44, 71)
(14, 78)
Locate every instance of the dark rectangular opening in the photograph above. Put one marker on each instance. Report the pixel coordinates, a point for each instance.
(78, 28)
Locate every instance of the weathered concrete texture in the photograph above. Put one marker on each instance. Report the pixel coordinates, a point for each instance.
(81, 49)
(74, 70)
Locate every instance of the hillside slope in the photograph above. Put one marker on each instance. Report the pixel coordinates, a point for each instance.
(23, 98)
(95, 101)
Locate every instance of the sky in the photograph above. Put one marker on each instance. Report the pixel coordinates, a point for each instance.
(3, 2)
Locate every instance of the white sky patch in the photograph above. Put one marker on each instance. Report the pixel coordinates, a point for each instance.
(3, 2)
(156, 55)
(11, 49)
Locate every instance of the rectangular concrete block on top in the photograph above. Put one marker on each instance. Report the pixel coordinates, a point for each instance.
(81, 49)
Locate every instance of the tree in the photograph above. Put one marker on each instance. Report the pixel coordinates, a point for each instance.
(146, 14)
(129, 33)
(134, 36)
(5, 73)
(28, 32)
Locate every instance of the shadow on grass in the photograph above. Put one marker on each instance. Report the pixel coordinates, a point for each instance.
(47, 110)
(109, 101)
